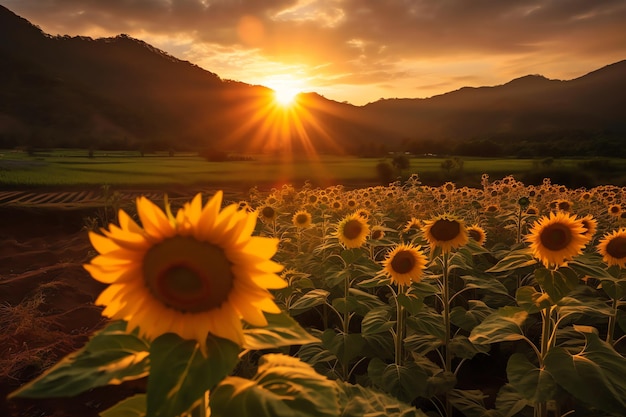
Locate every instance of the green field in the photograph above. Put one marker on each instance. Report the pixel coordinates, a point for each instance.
(74, 168)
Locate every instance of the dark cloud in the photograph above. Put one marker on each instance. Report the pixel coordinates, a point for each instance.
(364, 41)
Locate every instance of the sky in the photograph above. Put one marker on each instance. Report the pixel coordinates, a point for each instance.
(358, 51)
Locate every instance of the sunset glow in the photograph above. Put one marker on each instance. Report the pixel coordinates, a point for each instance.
(358, 52)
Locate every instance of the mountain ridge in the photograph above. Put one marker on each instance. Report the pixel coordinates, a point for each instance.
(121, 92)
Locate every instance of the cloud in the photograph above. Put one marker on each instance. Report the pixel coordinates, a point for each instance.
(360, 42)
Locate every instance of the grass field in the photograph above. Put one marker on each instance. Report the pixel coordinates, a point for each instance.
(63, 168)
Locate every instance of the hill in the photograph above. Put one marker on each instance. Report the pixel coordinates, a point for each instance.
(122, 93)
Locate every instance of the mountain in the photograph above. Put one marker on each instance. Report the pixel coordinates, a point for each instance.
(120, 92)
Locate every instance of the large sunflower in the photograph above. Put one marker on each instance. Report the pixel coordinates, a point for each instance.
(557, 238)
(352, 231)
(195, 274)
(405, 263)
(612, 247)
(446, 232)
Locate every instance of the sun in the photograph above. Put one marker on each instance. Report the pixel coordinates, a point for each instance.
(286, 89)
(285, 96)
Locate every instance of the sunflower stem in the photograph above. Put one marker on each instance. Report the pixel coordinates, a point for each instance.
(346, 320)
(519, 225)
(446, 323)
(399, 326)
(612, 320)
(201, 409)
(542, 408)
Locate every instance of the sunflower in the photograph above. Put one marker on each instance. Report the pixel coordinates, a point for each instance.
(477, 233)
(532, 210)
(612, 247)
(404, 264)
(446, 232)
(377, 233)
(352, 231)
(302, 219)
(414, 224)
(556, 238)
(590, 224)
(268, 213)
(615, 210)
(195, 274)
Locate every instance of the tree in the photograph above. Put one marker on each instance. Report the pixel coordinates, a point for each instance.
(385, 172)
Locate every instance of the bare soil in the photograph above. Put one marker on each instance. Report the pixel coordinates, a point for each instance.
(46, 307)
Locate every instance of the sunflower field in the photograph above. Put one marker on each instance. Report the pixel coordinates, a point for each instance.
(399, 300)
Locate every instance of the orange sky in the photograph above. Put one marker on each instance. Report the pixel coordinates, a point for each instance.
(358, 50)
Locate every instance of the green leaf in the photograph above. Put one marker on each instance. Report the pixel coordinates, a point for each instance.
(503, 325)
(509, 402)
(180, 374)
(379, 345)
(405, 382)
(468, 319)
(461, 347)
(534, 384)
(532, 300)
(591, 265)
(281, 330)
(571, 309)
(111, 357)
(345, 346)
(308, 301)
(282, 387)
(364, 301)
(411, 302)
(134, 406)
(485, 283)
(439, 383)
(470, 402)
(595, 375)
(514, 260)
(358, 401)
(377, 321)
(423, 289)
(427, 321)
(557, 283)
(615, 288)
(422, 343)
(345, 304)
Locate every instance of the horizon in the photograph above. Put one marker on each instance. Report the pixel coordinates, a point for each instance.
(405, 51)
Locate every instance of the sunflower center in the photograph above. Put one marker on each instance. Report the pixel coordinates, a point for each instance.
(403, 262)
(444, 230)
(188, 275)
(352, 229)
(474, 234)
(302, 218)
(268, 212)
(556, 237)
(617, 247)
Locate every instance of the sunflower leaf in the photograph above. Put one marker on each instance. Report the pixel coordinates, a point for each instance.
(503, 325)
(514, 260)
(281, 330)
(557, 283)
(308, 301)
(405, 382)
(109, 358)
(180, 374)
(533, 383)
(134, 406)
(358, 401)
(282, 386)
(595, 375)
